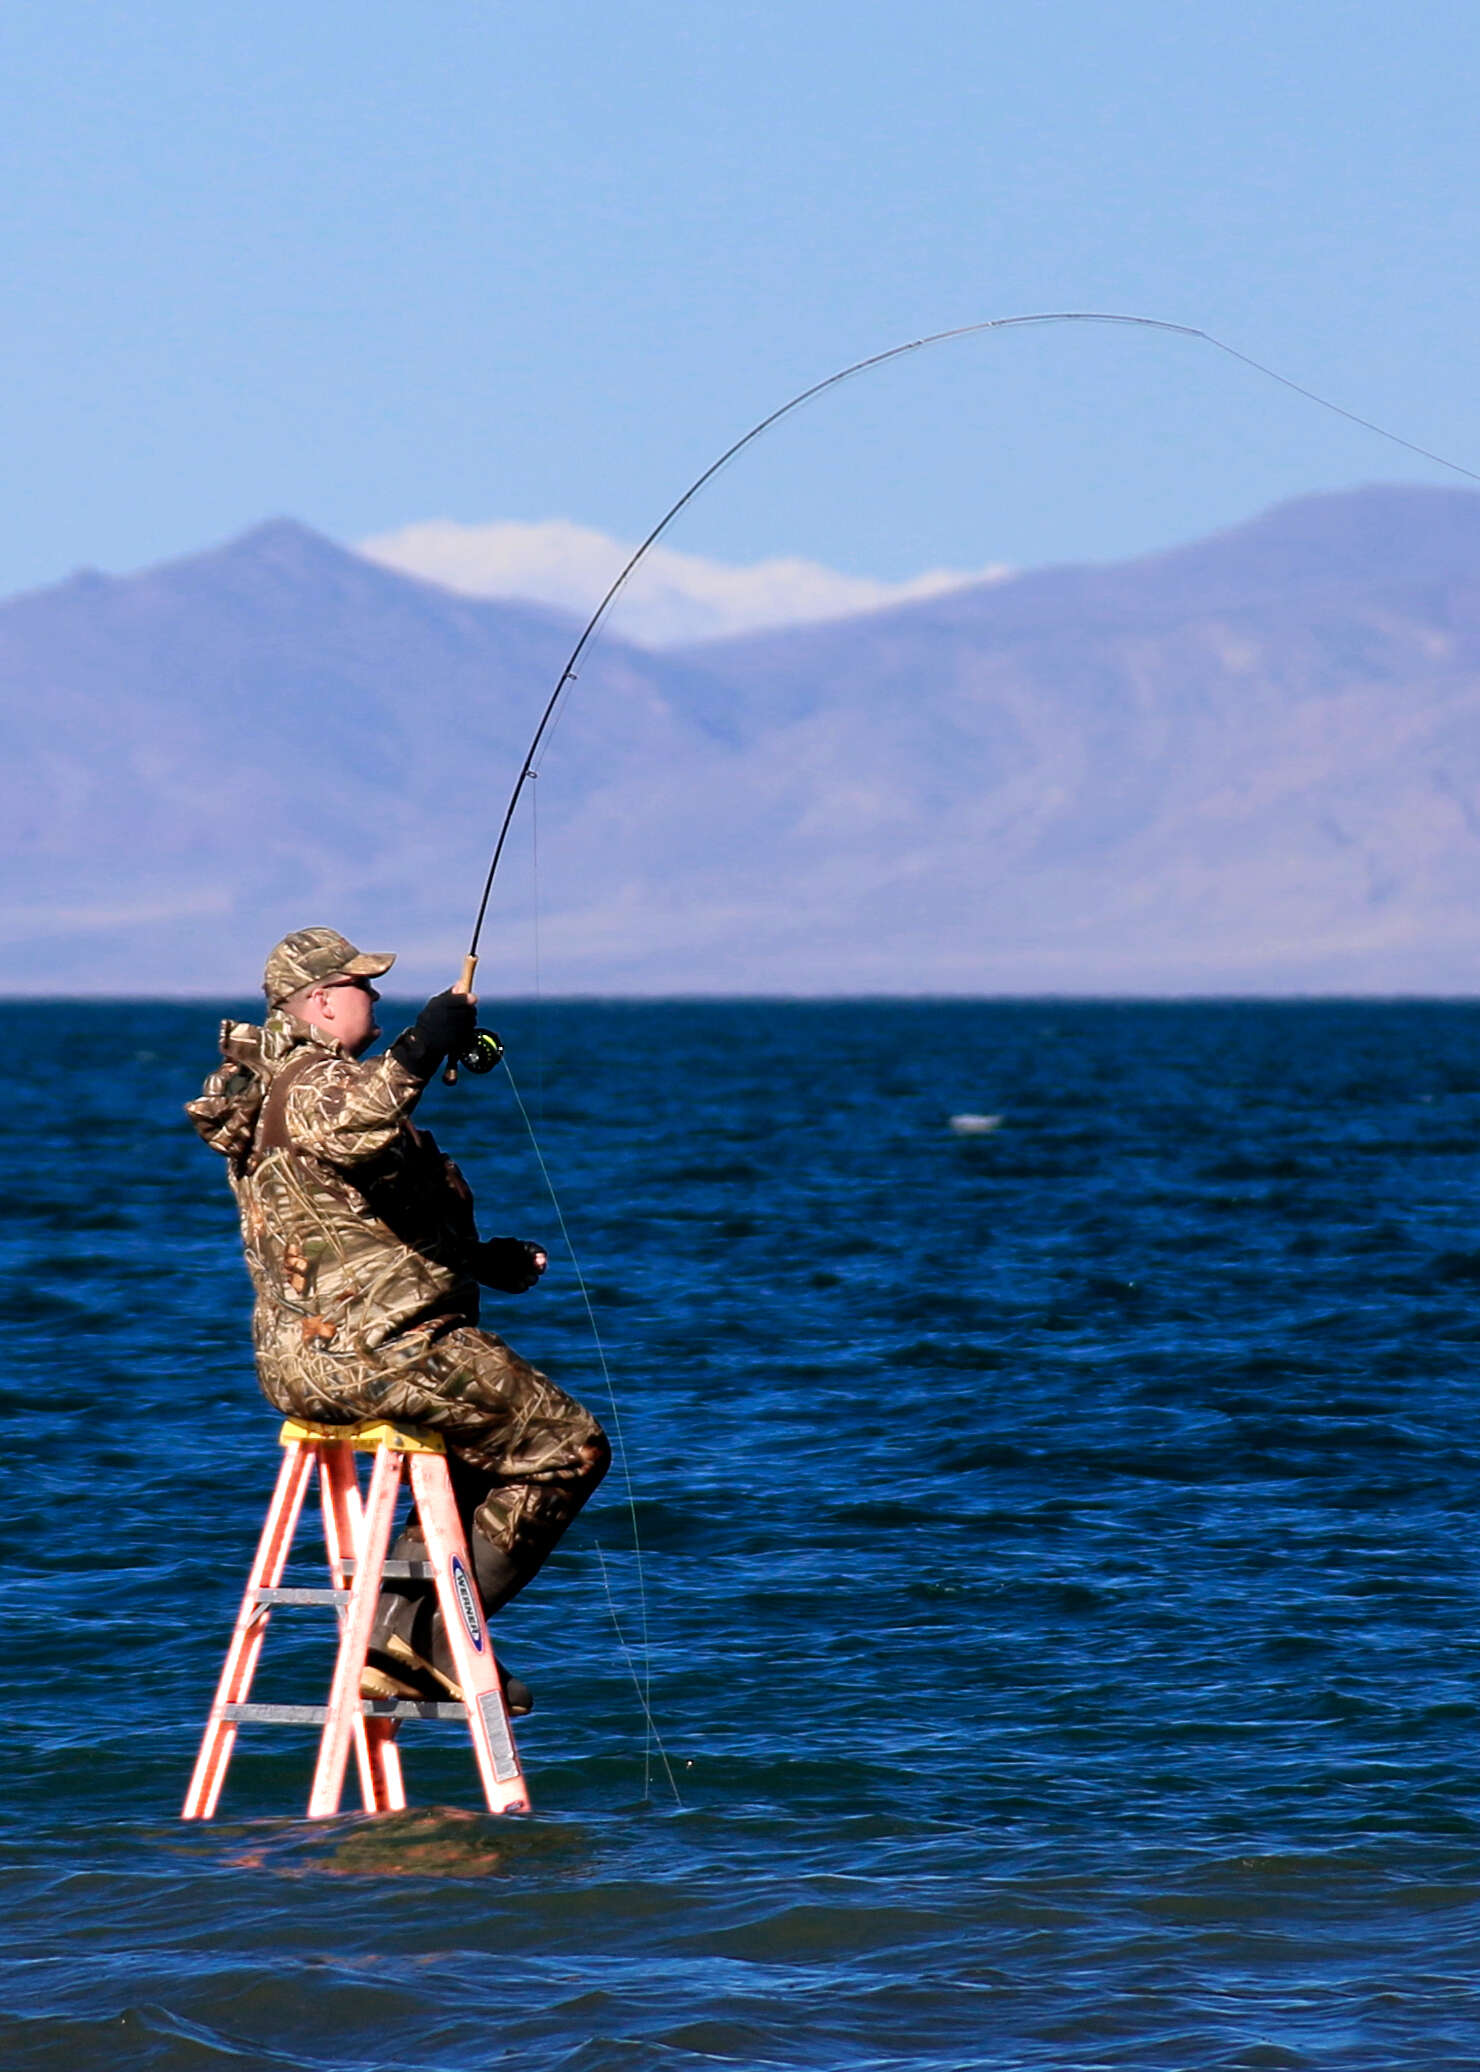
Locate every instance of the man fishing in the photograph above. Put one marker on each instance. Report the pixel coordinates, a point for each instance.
(366, 1262)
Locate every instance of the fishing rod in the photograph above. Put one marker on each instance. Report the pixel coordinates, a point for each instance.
(486, 1050)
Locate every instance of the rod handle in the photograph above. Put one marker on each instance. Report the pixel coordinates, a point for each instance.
(464, 985)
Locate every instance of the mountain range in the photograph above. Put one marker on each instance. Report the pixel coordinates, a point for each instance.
(1249, 764)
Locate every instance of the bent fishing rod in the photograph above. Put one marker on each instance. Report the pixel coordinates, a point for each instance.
(486, 1050)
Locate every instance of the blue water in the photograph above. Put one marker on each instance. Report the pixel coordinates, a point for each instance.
(1059, 1548)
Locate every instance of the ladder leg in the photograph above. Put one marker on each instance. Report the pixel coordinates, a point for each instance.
(382, 1787)
(354, 1637)
(472, 1648)
(376, 1756)
(251, 1627)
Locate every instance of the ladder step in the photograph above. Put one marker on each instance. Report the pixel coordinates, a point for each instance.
(300, 1597)
(315, 1715)
(412, 1708)
(402, 1571)
(279, 1715)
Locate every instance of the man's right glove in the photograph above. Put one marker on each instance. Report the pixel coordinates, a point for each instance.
(444, 1028)
(509, 1264)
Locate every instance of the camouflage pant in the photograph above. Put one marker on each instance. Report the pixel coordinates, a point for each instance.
(523, 1455)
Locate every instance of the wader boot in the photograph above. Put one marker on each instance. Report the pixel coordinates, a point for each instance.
(409, 1655)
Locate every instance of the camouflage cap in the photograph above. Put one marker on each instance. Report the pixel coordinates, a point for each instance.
(310, 955)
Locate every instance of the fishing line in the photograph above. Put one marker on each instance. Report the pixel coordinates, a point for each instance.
(539, 993)
(817, 388)
(641, 1680)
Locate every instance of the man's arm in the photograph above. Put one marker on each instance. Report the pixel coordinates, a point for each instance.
(345, 1113)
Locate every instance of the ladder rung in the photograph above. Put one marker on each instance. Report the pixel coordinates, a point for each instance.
(300, 1597)
(412, 1708)
(279, 1715)
(402, 1571)
(372, 1708)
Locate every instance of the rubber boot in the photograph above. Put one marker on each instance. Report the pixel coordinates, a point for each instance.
(495, 1574)
(402, 1608)
(409, 1654)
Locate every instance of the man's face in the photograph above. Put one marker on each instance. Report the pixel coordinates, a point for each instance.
(345, 1007)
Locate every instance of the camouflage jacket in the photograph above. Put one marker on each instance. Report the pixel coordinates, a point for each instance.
(356, 1228)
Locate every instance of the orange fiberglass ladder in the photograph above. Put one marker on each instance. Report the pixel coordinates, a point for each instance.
(356, 1536)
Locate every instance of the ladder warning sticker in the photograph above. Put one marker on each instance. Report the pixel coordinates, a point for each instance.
(467, 1603)
(500, 1742)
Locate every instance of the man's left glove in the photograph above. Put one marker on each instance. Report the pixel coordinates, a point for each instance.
(508, 1264)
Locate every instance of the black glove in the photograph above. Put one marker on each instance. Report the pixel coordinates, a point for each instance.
(508, 1264)
(444, 1028)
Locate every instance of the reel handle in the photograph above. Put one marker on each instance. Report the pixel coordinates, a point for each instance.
(464, 985)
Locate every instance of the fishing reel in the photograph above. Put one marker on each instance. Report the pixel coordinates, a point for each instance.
(482, 1054)
(477, 1057)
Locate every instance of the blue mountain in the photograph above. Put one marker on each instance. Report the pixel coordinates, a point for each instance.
(1249, 764)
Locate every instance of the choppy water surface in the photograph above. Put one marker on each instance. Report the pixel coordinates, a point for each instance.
(1059, 1543)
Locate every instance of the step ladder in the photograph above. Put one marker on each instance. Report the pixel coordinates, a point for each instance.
(356, 1535)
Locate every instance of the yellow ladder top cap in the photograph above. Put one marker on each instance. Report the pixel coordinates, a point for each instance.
(365, 1438)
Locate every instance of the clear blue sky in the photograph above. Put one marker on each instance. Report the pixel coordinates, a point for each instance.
(373, 263)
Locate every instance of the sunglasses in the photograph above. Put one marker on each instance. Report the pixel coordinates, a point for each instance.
(362, 985)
